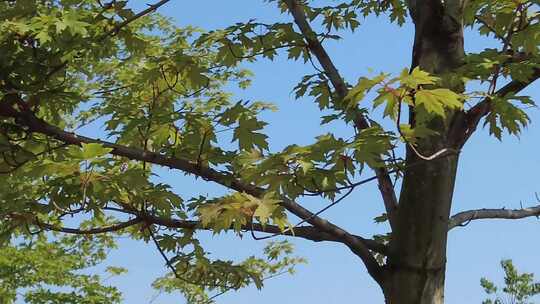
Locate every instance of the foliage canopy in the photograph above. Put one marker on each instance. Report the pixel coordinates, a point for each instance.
(159, 91)
(518, 288)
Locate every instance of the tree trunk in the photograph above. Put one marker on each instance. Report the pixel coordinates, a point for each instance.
(416, 263)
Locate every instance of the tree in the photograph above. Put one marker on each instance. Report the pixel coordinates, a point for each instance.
(518, 287)
(49, 271)
(159, 91)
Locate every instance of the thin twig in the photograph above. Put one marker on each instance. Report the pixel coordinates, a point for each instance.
(316, 214)
(151, 8)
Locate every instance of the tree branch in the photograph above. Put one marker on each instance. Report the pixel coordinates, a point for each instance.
(330, 232)
(316, 48)
(149, 9)
(34, 124)
(385, 182)
(321, 230)
(98, 230)
(464, 124)
(464, 218)
(305, 232)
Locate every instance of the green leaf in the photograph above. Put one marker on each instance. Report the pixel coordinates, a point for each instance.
(391, 102)
(208, 213)
(504, 115)
(416, 78)
(438, 100)
(381, 218)
(411, 135)
(94, 150)
(246, 137)
(70, 21)
(266, 207)
(305, 165)
(43, 37)
(358, 92)
(116, 270)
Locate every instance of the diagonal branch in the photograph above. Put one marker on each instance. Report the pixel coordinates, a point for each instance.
(385, 183)
(316, 48)
(464, 218)
(151, 8)
(305, 232)
(34, 124)
(505, 40)
(356, 245)
(464, 124)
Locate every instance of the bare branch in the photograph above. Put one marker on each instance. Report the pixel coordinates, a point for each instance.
(463, 218)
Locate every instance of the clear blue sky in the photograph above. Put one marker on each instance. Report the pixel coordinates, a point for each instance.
(491, 174)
